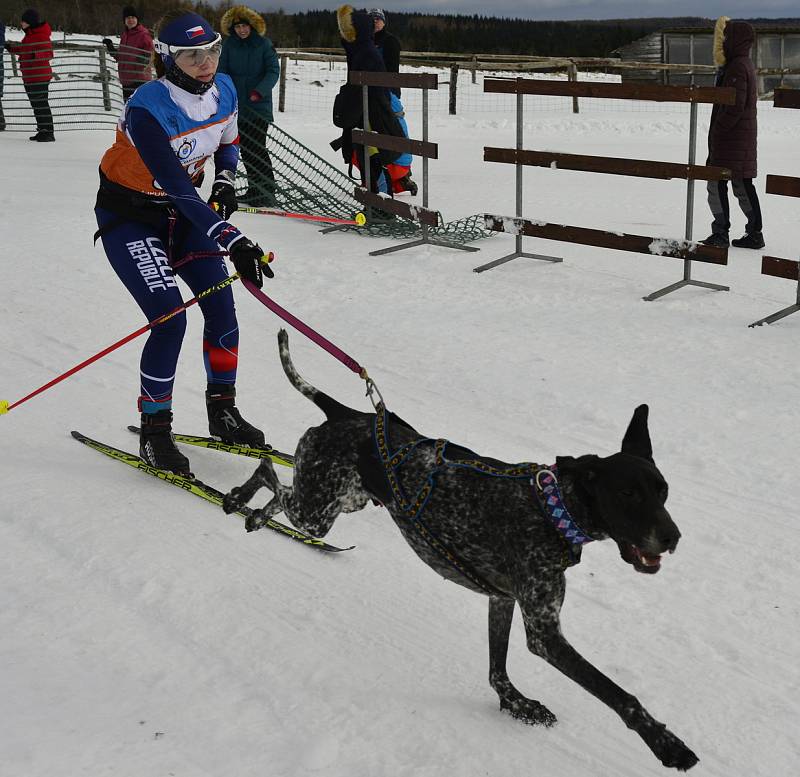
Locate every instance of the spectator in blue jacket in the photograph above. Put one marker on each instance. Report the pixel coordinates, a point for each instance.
(249, 58)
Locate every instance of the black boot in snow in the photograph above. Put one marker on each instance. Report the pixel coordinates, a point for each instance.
(750, 240)
(225, 421)
(156, 445)
(717, 240)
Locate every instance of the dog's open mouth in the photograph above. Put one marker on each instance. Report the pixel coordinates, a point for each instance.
(641, 561)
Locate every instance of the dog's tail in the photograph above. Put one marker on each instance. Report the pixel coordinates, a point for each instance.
(327, 404)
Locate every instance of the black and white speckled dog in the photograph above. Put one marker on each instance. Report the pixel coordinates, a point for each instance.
(507, 531)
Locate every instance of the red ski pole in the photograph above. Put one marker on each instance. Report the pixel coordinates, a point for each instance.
(359, 220)
(5, 407)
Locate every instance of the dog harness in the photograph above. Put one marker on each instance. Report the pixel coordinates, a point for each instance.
(542, 478)
(545, 484)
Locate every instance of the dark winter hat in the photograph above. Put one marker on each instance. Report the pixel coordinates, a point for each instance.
(31, 17)
(377, 13)
(129, 10)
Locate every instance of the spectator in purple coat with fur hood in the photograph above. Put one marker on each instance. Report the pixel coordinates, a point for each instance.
(732, 136)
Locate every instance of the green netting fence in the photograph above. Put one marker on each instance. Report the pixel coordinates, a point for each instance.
(85, 93)
(307, 183)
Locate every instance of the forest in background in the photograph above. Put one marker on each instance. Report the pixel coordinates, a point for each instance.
(416, 31)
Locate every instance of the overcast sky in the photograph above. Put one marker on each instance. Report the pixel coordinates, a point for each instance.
(566, 9)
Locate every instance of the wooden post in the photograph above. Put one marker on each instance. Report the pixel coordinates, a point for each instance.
(474, 68)
(453, 87)
(572, 75)
(282, 85)
(104, 79)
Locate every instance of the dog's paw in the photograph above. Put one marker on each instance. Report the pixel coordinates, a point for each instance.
(528, 711)
(231, 502)
(672, 752)
(251, 523)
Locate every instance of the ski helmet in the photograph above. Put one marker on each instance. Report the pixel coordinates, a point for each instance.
(189, 33)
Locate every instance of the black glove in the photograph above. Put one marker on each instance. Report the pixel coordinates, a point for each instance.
(107, 42)
(223, 195)
(246, 257)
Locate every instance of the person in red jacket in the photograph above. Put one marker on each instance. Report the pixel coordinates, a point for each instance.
(35, 52)
(133, 54)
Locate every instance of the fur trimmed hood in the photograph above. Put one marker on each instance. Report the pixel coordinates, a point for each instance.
(719, 40)
(344, 18)
(354, 26)
(238, 12)
(732, 39)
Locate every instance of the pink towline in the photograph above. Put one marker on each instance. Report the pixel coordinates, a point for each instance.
(311, 334)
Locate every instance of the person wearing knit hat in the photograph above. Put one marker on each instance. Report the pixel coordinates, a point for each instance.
(389, 47)
(31, 17)
(388, 44)
(133, 54)
(35, 51)
(249, 58)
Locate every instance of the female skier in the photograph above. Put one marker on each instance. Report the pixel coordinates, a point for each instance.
(154, 226)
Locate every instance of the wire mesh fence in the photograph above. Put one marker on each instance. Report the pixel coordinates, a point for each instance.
(83, 93)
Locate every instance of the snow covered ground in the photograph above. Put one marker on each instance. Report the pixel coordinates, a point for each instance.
(142, 632)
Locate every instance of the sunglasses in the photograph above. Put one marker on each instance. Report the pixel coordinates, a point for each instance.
(191, 55)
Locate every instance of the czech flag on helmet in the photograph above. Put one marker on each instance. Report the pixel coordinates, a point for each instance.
(191, 29)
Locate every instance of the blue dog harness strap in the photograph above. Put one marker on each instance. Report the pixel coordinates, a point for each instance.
(545, 485)
(412, 509)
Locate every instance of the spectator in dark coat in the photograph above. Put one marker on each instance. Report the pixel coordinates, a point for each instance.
(249, 58)
(732, 136)
(35, 52)
(389, 170)
(386, 43)
(2, 49)
(389, 47)
(134, 53)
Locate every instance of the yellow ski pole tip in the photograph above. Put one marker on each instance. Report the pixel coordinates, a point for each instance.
(360, 219)
(3, 406)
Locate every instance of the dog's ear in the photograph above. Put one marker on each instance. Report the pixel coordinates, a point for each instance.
(583, 470)
(637, 439)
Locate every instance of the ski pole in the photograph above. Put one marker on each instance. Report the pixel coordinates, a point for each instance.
(359, 220)
(5, 407)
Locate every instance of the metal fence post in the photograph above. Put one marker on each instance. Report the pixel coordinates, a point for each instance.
(453, 87)
(282, 85)
(105, 77)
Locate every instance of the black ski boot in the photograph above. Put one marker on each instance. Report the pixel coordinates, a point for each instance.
(156, 445)
(225, 422)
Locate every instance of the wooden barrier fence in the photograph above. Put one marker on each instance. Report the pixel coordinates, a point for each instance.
(520, 157)
(422, 148)
(786, 186)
